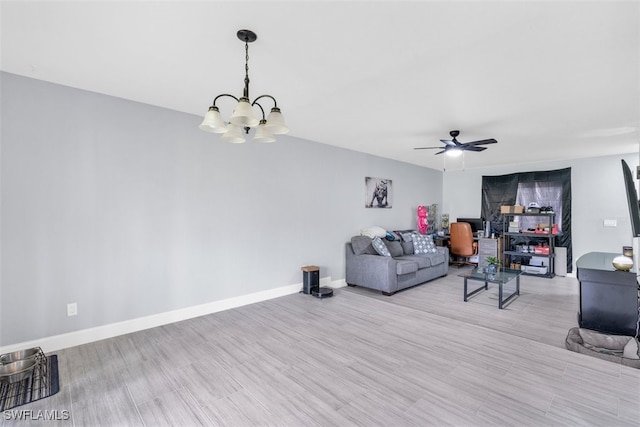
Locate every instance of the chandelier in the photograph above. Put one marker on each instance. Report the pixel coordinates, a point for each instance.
(243, 117)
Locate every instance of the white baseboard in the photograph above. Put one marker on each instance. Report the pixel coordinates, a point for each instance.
(84, 336)
(341, 283)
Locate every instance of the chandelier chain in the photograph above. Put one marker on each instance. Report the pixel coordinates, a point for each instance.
(246, 69)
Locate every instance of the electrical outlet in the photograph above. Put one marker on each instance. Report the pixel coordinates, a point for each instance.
(610, 223)
(72, 309)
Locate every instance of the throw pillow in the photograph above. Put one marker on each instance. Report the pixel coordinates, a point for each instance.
(392, 236)
(395, 248)
(380, 247)
(373, 231)
(423, 245)
(362, 245)
(407, 247)
(406, 236)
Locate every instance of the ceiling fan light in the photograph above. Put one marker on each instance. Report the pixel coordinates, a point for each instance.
(233, 134)
(262, 133)
(454, 152)
(212, 121)
(275, 122)
(243, 115)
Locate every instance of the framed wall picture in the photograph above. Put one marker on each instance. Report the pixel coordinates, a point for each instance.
(378, 193)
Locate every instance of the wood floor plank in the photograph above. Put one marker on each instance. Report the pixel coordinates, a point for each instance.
(175, 408)
(146, 381)
(240, 408)
(114, 407)
(207, 381)
(566, 411)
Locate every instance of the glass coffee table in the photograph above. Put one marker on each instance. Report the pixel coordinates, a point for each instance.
(501, 277)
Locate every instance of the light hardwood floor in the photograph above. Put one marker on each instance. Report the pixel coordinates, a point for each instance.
(421, 357)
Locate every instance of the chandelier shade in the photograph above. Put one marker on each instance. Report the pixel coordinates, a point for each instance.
(213, 121)
(244, 115)
(275, 122)
(233, 134)
(263, 134)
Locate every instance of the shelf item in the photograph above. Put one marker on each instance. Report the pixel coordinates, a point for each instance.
(532, 250)
(507, 209)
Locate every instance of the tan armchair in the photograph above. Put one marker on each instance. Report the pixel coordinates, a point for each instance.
(461, 241)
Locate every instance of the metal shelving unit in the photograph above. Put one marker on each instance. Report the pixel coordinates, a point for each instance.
(513, 244)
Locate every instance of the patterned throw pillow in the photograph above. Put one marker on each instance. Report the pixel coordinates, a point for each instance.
(423, 245)
(380, 247)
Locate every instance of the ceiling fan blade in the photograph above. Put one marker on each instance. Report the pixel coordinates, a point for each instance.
(449, 142)
(426, 148)
(482, 142)
(474, 148)
(440, 152)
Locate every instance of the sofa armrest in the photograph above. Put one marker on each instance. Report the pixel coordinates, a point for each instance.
(371, 271)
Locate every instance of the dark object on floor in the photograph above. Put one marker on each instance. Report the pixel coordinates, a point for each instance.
(311, 282)
(603, 346)
(608, 298)
(43, 383)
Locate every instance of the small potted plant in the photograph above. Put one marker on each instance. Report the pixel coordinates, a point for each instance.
(492, 264)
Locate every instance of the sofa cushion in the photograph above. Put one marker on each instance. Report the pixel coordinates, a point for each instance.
(407, 247)
(380, 247)
(395, 248)
(362, 245)
(406, 267)
(436, 259)
(406, 235)
(421, 261)
(423, 244)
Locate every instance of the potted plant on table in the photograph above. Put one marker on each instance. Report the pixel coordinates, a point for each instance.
(492, 264)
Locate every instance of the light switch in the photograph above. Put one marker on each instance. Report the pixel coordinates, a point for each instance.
(610, 223)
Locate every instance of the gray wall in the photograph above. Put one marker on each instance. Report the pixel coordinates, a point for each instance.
(598, 193)
(130, 210)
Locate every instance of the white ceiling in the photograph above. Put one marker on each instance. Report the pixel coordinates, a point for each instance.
(549, 80)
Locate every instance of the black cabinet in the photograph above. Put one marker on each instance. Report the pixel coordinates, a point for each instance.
(608, 297)
(523, 246)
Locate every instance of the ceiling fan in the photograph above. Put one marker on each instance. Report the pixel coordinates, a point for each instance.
(453, 145)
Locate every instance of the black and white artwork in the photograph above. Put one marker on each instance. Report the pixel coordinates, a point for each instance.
(378, 192)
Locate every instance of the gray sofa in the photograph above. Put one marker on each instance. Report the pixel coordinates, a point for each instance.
(389, 274)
